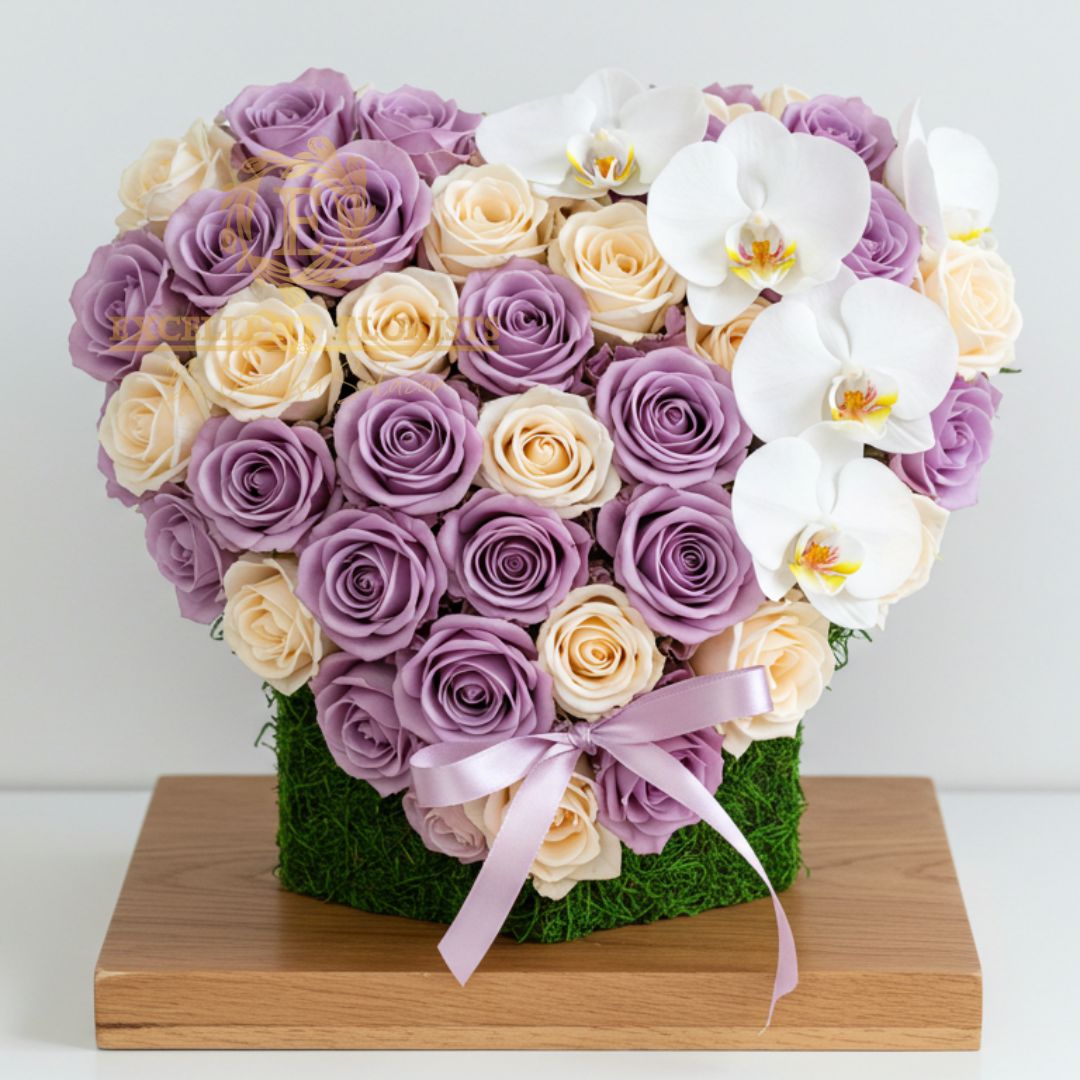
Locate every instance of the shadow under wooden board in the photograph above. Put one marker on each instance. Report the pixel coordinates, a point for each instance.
(206, 950)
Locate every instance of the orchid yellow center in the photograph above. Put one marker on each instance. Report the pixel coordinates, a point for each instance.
(824, 560)
(860, 399)
(759, 254)
(969, 237)
(602, 160)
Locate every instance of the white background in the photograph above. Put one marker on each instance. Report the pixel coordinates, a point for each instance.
(104, 685)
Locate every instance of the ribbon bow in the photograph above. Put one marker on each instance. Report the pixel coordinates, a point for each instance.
(448, 774)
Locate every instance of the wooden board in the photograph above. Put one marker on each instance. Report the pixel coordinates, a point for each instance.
(206, 950)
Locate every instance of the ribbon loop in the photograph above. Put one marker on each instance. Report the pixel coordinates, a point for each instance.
(448, 774)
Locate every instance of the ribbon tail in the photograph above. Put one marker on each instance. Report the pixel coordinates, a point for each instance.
(659, 768)
(506, 867)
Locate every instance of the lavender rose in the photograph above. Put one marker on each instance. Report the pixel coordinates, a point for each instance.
(275, 124)
(262, 484)
(510, 558)
(434, 132)
(472, 679)
(522, 325)
(446, 830)
(673, 418)
(848, 121)
(353, 215)
(680, 560)
(178, 538)
(219, 242)
(125, 305)
(890, 243)
(641, 815)
(963, 433)
(371, 578)
(356, 714)
(410, 444)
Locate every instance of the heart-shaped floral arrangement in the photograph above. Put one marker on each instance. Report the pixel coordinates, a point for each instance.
(503, 433)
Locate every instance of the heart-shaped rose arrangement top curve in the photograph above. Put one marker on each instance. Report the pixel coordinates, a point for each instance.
(484, 426)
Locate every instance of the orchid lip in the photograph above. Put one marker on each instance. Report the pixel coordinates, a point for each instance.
(824, 559)
(862, 398)
(758, 252)
(602, 159)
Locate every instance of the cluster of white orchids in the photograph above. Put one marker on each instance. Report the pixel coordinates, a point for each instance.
(840, 364)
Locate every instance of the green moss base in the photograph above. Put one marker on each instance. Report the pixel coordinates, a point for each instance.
(340, 841)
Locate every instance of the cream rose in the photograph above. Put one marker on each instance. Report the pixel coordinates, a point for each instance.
(975, 287)
(172, 169)
(598, 651)
(790, 639)
(270, 351)
(483, 216)
(547, 446)
(267, 626)
(934, 518)
(150, 423)
(610, 256)
(399, 324)
(724, 112)
(576, 847)
(775, 101)
(720, 343)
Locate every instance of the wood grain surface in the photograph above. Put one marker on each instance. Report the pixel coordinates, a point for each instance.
(206, 950)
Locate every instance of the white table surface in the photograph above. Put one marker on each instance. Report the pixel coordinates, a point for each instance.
(63, 855)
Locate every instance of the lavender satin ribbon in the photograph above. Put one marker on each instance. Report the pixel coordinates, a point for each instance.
(448, 774)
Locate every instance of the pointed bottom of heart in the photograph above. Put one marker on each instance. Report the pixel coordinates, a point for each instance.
(206, 950)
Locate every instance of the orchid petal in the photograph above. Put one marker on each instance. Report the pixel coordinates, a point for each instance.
(692, 205)
(826, 301)
(765, 151)
(533, 137)
(874, 506)
(822, 199)
(911, 176)
(608, 90)
(782, 372)
(835, 452)
(896, 332)
(659, 123)
(774, 498)
(966, 179)
(718, 304)
(846, 610)
(903, 436)
(775, 584)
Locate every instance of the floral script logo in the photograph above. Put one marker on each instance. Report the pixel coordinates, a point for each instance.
(328, 209)
(135, 333)
(301, 221)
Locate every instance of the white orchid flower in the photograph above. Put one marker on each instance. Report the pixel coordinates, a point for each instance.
(760, 208)
(613, 133)
(872, 358)
(946, 180)
(813, 512)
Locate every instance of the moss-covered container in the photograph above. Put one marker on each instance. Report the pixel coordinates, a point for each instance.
(339, 840)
